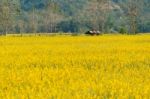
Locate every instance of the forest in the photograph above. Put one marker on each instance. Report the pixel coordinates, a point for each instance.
(74, 16)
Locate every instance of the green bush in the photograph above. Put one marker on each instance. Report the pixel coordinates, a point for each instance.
(123, 30)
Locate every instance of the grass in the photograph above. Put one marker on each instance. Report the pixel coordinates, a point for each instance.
(66, 67)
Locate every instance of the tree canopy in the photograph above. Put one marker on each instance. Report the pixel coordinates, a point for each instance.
(77, 16)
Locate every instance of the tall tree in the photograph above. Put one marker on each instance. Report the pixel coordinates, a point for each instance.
(134, 10)
(5, 16)
(51, 16)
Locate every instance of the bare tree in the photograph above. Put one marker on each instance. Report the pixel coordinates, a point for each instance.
(34, 28)
(134, 10)
(21, 25)
(5, 16)
(16, 12)
(102, 13)
(51, 18)
(33, 20)
(96, 13)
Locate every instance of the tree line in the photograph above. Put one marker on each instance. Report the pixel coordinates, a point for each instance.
(76, 16)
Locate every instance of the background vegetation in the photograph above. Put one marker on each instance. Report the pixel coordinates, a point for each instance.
(24, 16)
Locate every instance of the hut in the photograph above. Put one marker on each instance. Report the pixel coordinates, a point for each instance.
(93, 32)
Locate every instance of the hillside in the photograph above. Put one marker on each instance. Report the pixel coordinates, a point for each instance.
(76, 16)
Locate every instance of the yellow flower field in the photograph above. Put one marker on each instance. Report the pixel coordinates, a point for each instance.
(75, 67)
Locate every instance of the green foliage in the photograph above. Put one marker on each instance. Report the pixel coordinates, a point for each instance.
(69, 16)
(123, 30)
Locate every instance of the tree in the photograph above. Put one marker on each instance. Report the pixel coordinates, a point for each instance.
(134, 10)
(96, 14)
(74, 15)
(8, 12)
(51, 17)
(5, 16)
(19, 21)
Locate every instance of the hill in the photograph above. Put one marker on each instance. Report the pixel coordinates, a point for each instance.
(75, 16)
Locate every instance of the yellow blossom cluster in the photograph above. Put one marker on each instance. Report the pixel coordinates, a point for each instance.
(75, 67)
